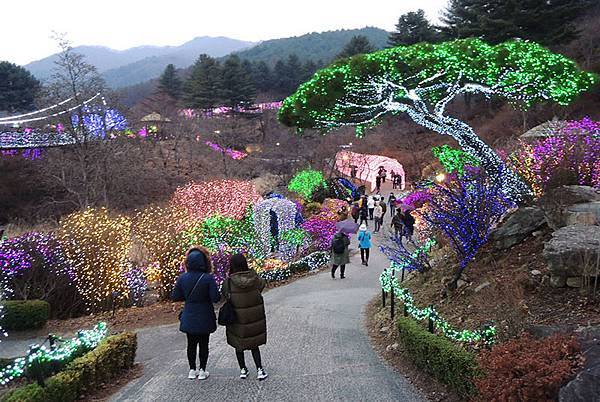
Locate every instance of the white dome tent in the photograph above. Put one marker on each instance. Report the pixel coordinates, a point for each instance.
(367, 166)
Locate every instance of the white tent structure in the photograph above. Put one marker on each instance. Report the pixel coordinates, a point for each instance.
(365, 167)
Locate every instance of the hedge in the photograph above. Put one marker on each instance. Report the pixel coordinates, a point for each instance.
(440, 357)
(25, 314)
(83, 375)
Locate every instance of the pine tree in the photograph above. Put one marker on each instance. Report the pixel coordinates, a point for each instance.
(17, 88)
(262, 76)
(359, 44)
(237, 88)
(203, 87)
(413, 27)
(170, 83)
(548, 22)
(308, 69)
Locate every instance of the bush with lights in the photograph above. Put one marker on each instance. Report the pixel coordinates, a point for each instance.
(306, 182)
(98, 245)
(34, 266)
(453, 160)
(226, 198)
(571, 156)
(464, 210)
(272, 218)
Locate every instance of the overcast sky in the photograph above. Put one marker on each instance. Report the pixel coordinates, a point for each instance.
(27, 25)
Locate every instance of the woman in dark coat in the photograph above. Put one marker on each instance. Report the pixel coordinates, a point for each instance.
(197, 287)
(249, 331)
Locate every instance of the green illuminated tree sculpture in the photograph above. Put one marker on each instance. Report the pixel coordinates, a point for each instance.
(422, 79)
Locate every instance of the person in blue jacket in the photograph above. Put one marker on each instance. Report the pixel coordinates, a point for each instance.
(364, 242)
(198, 288)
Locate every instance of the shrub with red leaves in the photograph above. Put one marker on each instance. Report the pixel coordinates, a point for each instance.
(528, 369)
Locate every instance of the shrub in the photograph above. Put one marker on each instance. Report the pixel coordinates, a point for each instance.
(528, 369)
(444, 360)
(306, 182)
(20, 315)
(84, 374)
(309, 263)
(98, 246)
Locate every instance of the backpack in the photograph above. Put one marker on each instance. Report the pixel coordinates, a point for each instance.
(339, 246)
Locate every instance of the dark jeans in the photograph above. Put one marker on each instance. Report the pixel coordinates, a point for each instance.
(364, 220)
(392, 211)
(364, 254)
(195, 342)
(255, 356)
(342, 270)
(377, 224)
(371, 213)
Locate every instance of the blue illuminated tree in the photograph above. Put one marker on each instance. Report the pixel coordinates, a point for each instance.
(411, 256)
(465, 210)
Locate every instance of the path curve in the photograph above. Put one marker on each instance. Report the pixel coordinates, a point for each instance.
(318, 349)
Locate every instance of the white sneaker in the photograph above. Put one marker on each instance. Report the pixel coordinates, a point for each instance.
(243, 373)
(193, 374)
(261, 374)
(203, 374)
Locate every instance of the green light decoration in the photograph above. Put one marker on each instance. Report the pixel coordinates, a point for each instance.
(306, 182)
(62, 352)
(422, 79)
(453, 160)
(295, 237)
(389, 283)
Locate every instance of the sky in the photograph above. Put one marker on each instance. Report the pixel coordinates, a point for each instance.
(27, 26)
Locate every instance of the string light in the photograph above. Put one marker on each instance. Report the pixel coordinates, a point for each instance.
(453, 160)
(232, 153)
(422, 79)
(228, 198)
(306, 182)
(272, 218)
(63, 352)
(98, 247)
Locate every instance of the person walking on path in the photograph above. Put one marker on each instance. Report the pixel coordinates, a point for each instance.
(198, 288)
(355, 211)
(378, 214)
(398, 224)
(371, 206)
(364, 241)
(378, 184)
(243, 289)
(383, 210)
(340, 255)
(392, 203)
(363, 214)
(409, 225)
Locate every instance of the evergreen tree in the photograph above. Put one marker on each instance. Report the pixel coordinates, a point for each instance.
(359, 44)
(413, 27)
(170, 83)
(203, 87)
(308, 70)
(294, 73)
(262, 76)
(237, 88)
(548, 22)
(18, 88)
(280, 77)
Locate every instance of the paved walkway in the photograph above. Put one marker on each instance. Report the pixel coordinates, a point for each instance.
(318, 350)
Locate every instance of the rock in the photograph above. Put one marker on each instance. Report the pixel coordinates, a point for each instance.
(573, 250)
(544, 331)
(574, 281)
(384, 330)
(460, 283)
(559, 205)
(536, 272)
(583, 214)
(586, 385)
(537, 233)
(393, 346)
(517, 227)
(482, 286)
(558, 281)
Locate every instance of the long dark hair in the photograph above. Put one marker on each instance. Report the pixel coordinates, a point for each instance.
(238, 263)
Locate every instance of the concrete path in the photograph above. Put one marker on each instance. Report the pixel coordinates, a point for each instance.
(318, 350)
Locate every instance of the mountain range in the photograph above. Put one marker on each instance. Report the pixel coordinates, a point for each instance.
(138, 64)
(123, 68)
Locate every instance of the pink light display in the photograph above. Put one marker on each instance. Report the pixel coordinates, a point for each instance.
(228, 198)
(232, 153)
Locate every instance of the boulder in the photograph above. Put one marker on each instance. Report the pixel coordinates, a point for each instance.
(482, 286)
(583, 214)
(586, 385)
(574, 281)
(520, 224)
(559, 205)
(573, 251)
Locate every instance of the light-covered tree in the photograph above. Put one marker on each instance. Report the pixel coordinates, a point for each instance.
(422, 79)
